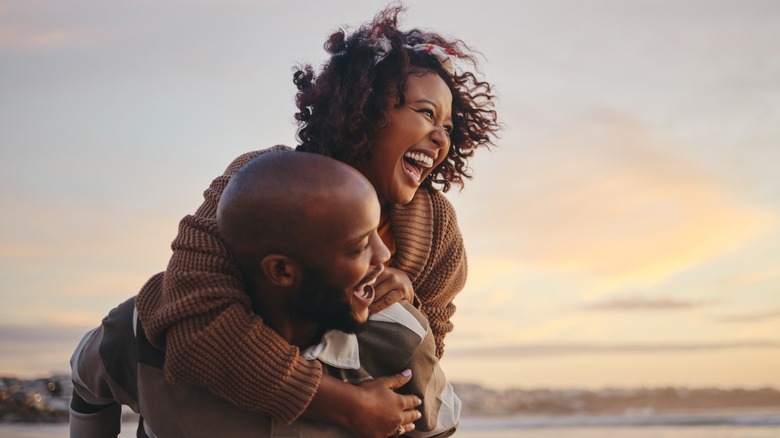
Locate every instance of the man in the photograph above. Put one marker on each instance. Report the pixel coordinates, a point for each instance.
(303, 229)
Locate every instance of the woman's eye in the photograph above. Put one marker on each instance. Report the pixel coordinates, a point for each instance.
(428, 113)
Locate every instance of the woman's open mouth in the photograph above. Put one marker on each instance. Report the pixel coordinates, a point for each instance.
(416, 163)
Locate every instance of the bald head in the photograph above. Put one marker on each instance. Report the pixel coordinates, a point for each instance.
(288, 203)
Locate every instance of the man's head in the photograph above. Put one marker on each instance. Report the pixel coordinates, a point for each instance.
(303, 229)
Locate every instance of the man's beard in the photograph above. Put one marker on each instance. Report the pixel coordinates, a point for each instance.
(325, 304)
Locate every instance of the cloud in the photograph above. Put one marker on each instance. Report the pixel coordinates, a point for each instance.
(545, 350)
(607, 199)
(22, 27)
(40, 334)
(15, 38)
(638, 303)
(71, 262)
(34, 350)
(751, 317)
(752, 278)
(50, 230)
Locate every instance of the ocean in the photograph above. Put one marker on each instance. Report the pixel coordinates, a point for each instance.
(765, 424)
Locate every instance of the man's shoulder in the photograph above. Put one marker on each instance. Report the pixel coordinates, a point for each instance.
(404, 314)
(248, 156)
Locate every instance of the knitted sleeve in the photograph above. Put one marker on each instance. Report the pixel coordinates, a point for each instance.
(200, 313)
(444, 274)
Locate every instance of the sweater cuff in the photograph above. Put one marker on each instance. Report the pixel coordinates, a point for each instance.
(298, 391)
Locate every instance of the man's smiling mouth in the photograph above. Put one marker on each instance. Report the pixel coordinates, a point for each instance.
(365, 290)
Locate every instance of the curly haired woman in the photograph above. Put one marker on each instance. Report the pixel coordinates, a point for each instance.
(396, 106)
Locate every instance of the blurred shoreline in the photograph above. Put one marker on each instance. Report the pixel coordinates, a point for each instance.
(46, 400)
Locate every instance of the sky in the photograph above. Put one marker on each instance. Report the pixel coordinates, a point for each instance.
(625, 230)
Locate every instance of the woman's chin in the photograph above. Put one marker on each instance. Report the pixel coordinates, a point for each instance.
(403, 193)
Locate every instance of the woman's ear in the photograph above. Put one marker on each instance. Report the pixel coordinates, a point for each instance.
(383, 120)
(280, 270)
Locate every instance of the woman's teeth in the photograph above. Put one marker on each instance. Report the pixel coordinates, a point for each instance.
(415, 163)
(420, 159)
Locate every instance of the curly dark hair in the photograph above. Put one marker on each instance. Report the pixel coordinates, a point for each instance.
(340, 109)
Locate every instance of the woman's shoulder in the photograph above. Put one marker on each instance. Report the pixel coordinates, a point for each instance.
(442, 207)
(427, 205)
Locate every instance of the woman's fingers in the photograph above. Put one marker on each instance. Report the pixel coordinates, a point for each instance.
(385, 301)
(392, 286)
(410, 414)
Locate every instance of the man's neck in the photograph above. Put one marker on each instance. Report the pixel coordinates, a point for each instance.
(297, 331)
(305, 334)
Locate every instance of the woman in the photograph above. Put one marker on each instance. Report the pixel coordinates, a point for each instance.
(393, 105)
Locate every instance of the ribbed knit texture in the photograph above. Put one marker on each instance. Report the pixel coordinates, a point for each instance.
(199, 310)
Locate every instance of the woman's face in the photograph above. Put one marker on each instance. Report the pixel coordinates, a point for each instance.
(415, 139)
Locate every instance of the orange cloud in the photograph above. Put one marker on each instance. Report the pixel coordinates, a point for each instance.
(609, 201)
(754, 278)
(13, 36)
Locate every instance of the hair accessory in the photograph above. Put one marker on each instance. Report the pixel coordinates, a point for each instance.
(445, 56)
(382, 48)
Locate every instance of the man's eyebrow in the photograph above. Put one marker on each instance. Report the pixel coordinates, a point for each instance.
(362, 237)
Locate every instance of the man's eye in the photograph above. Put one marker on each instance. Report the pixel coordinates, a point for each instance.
(362, 248)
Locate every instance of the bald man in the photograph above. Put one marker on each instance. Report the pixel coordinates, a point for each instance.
(303, 229)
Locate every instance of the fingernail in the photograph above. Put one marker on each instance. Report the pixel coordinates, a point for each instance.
(419, 414)
(406, 373)
(418, 402)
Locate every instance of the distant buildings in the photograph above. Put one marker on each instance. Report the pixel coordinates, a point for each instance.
(479, 401)
(39, 400)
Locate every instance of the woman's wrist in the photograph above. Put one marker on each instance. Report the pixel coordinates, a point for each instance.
(333, 402)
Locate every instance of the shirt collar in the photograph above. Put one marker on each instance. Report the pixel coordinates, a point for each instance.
(337, 349)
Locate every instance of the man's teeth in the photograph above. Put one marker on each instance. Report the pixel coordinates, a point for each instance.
(420, 158)
(368, 291)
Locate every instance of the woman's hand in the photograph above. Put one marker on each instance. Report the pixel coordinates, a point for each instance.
(372, 409)
(393, 285)
(384, 412)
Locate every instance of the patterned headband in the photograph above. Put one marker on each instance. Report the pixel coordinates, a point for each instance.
(445, 56)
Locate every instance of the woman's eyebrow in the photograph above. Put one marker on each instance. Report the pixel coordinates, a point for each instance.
(428, 101)
(438, 109)
(424, 100)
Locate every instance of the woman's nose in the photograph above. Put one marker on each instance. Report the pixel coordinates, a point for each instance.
(440, 137)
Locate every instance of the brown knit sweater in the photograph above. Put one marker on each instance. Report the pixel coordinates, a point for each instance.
(202, 315)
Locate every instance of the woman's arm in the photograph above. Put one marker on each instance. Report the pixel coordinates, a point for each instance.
(202, 315)
(444, 273)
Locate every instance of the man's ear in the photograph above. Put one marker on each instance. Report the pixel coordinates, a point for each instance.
(280, 270)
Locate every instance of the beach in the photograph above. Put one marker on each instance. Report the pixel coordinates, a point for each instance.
(61, 431)
(757, 424)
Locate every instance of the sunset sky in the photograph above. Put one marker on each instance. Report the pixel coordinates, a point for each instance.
(624, 232)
